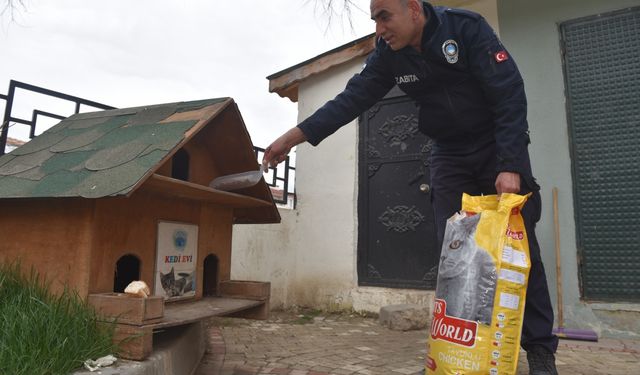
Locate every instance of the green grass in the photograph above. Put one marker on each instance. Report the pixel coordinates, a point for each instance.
(44, 333)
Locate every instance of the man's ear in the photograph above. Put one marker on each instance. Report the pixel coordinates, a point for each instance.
(415, 7)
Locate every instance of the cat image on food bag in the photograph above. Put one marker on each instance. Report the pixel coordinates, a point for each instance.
(467, 274)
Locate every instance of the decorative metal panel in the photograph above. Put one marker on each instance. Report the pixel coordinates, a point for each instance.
(396, 230)
(401, 218)
(602, 70)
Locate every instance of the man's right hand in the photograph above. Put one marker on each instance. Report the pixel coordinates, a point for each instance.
(277, 152)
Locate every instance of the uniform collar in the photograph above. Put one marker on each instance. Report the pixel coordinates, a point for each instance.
(433, 23)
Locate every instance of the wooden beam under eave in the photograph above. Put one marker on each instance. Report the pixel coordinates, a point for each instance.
(286, 84)
(290, 92)
(174, 188)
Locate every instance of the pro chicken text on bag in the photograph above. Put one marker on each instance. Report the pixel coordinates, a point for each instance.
(481, 289)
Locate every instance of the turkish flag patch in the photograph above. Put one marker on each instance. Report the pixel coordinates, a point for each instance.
(501, 56)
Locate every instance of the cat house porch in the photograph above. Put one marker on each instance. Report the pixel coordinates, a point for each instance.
(139, 318)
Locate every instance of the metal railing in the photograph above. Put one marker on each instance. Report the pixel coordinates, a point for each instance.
(280, 183)
(9, 118)
(279, 179)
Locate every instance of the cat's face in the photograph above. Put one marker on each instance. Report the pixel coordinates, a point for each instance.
(458, 246)
(167, 279)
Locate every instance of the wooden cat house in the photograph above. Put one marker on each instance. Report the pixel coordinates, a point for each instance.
(105, 198)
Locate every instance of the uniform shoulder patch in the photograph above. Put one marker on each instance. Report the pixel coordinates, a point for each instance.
(464, 13)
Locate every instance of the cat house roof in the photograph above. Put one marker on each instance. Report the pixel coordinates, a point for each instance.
(118, 152)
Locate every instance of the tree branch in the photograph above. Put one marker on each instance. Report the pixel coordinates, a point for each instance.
(332, 9)
(13, 8)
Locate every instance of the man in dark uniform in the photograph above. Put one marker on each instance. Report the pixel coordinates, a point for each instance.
(472, 104)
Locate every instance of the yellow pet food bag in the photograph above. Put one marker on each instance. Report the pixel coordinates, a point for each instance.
(481, 289)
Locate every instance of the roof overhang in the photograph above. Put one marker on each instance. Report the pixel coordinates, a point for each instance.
(285, 82)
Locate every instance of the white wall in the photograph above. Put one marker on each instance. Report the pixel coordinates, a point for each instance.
(326, 181)
(530, 31)
(264, 253)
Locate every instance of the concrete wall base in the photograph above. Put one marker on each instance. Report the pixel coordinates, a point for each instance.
(177, 350)
(371, 299)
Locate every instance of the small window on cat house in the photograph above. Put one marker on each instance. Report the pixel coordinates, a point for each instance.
(127, 270)
(180, 165)
(210, 277)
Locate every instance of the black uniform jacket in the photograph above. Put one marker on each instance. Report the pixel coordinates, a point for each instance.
(467, 86)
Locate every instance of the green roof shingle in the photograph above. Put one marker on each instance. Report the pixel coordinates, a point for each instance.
(95, 154)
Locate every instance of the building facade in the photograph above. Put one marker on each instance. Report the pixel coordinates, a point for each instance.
(579, 63)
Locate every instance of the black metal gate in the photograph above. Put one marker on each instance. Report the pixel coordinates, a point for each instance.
(602, 70)
(396, 234)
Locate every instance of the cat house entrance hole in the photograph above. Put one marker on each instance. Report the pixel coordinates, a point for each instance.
(210, 275)
(127, 270)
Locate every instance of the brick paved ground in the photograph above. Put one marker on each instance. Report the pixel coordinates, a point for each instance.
(349, 344)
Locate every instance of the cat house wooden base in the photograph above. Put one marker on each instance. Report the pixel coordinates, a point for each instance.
(128, 309)
(135, 336)
(106, 198)
(134, 342)
(133, 317)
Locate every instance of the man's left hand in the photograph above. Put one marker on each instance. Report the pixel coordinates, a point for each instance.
(508, 182)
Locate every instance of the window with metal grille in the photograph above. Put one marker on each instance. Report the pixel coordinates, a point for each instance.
(602, 72)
